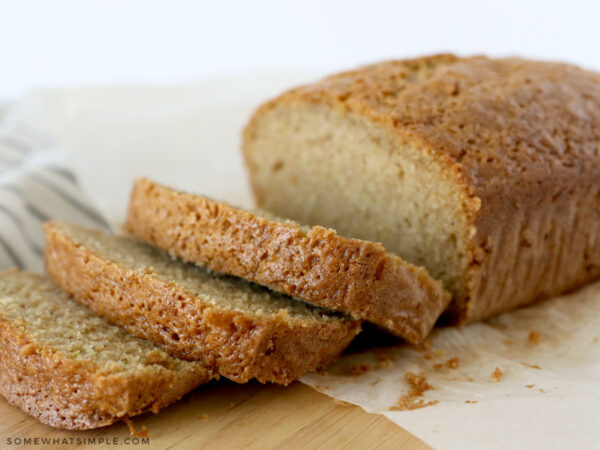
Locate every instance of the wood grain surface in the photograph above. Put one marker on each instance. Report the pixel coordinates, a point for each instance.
(224, 415)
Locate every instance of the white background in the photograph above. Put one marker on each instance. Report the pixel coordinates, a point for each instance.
(47, 42)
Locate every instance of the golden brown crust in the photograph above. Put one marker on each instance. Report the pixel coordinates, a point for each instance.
(239, 346)
(489, 118)
(79, 395)
(520, 138)
(314, 265)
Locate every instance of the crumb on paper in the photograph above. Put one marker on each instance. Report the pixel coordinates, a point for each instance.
(204, 417)
(596, 339)
(530, 386)
(533, 366)
(497, 375)
(360, 369)
(414, 399)
(342, 403)
(427, 344)
(418, 383)
(509, 341)
(452, 363)
(470, 401)
(535, 337)
(133, 432)
(542, 391)
(384, 361)
(317, 388)
(373, 383)
(407, 403)
(424, 346)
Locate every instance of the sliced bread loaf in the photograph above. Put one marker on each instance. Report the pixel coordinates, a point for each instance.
(484, 171)
(71, 368)
(239, 329)
(313, 264)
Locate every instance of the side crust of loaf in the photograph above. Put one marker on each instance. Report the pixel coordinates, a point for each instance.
(315, 265)
(519, 141)
(236, 345)
(77, 395)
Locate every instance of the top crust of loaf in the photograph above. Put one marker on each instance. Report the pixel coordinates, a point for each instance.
(520, 139)
(312, 264)
(491, 120)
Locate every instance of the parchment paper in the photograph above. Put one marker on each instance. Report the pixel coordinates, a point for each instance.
(527, 379)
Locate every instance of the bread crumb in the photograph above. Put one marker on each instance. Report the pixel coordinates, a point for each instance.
(417, 383)
(470, 401)
(155, 408)
(204, 417)
(529, 386)
(360, 369)
(452, 363)
(533, 366)
(139, 434)
(509, 341)
(596, 339)
(413, 400)
(156, 356)
(384, 361)
(542, 391)
(423, 346)
(28, 349)
(406, 403)
(535, 338)
(497, 375)
(342, 403)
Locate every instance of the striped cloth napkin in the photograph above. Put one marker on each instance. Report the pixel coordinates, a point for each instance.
(35, 186)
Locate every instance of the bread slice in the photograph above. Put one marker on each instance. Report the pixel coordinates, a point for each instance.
(236, 328)
(72, 369)
(484, 171)
(313, 264)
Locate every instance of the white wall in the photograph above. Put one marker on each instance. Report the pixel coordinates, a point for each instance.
(48, 42)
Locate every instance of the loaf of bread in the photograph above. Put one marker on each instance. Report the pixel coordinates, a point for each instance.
(313, 264)
(72, 369)
(237, 329)
(484, 171)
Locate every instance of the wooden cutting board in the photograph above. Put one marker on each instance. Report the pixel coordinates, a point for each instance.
(225, 415)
